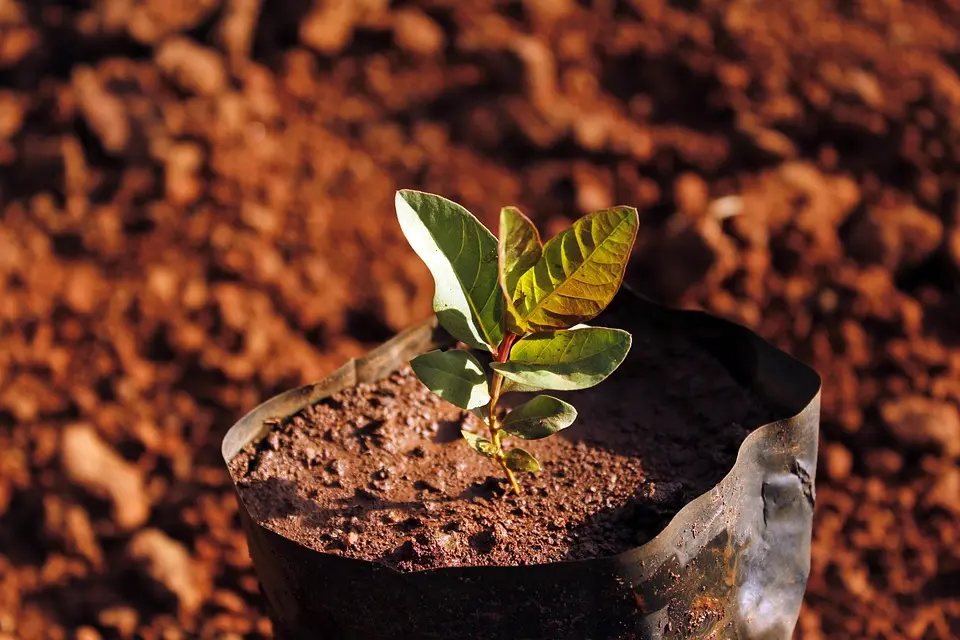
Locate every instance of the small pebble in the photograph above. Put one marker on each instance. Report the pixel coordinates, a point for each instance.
(446, 541)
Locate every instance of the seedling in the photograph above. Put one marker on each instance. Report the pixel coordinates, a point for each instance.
(525, 303)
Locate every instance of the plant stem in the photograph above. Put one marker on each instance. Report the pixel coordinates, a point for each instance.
(503, 464)
(493, 422)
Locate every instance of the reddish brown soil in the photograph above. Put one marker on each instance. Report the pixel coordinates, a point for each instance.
(196, 213)
(380, 471)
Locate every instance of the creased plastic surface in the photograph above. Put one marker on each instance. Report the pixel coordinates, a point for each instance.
(732, 564)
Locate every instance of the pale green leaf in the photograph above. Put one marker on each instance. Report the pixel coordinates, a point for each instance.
(579, 273)
(479, 444)
(564, 360)
(456, 376)
(518, 459)
(462, 257)
(538, 418)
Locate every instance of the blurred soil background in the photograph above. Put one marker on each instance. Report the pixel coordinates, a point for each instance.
(197, 213)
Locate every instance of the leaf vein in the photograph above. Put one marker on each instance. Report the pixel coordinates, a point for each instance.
(541, 302)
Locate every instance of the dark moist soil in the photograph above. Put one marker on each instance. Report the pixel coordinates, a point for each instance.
(380, 471)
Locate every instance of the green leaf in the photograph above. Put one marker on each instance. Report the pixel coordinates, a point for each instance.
(541, 417)
(518, 459)
(479, 444)
(564, 360)
(580, 271)
(520, 247)
(462, 257)
(456, 376)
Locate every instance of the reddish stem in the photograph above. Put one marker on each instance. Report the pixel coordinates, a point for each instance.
(503, 353)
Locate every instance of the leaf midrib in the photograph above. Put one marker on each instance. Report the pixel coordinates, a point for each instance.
(546, 366)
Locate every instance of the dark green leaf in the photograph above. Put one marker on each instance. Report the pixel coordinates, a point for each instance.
(564, 360)
(518, 459)
(462, 257)
(538, 418)
(456, 376)
(580, 271)
(479, 444)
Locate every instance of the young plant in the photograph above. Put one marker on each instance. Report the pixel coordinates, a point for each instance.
(525, 303)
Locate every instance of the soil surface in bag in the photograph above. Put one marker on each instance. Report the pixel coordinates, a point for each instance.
(381, 472)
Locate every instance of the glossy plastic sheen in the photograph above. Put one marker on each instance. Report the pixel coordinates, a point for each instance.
(732, 564)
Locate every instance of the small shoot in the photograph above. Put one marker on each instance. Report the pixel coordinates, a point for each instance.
(525, 302)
